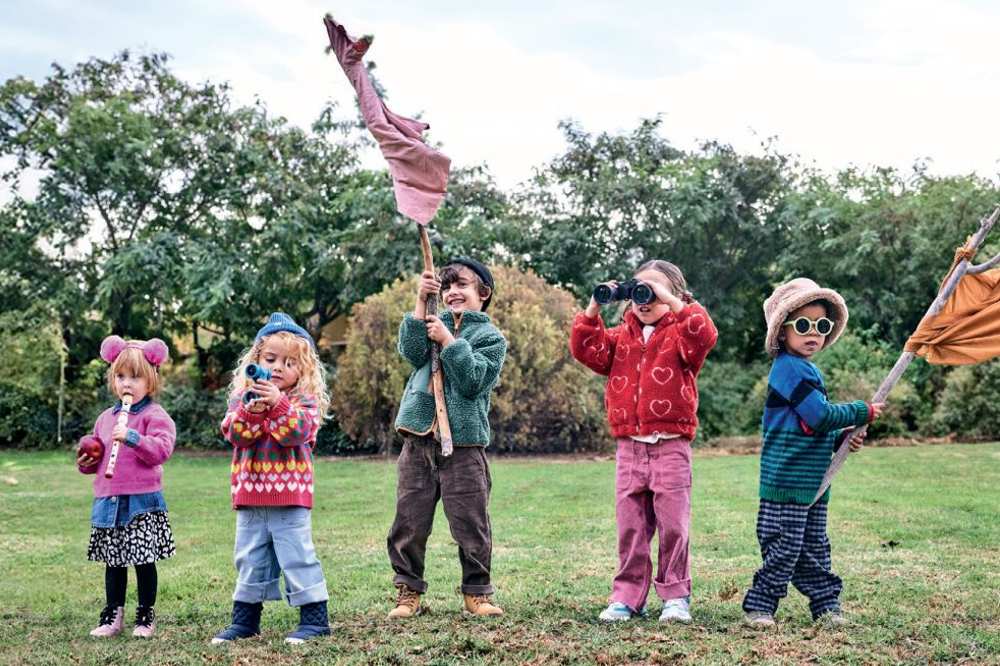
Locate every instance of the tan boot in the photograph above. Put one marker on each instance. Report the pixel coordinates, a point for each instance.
(407, 604)
(480, 604)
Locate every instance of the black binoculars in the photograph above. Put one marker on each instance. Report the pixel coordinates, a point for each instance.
(255, 373)
(630, 290)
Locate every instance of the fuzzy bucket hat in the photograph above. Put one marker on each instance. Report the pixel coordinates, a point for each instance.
(791, 296)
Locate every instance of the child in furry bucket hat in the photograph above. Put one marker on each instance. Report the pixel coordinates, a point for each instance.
(801, 430)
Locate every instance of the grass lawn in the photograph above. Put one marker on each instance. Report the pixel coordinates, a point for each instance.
(915, 535)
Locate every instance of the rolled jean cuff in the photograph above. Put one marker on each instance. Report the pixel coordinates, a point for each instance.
(254, 593)
(675, 590)
(309, 595)
(415, 584)
(478, 589)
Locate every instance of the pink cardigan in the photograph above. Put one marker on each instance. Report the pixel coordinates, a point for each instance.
(140, 468)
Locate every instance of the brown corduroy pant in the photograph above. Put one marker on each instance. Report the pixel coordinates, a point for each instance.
(462, 482)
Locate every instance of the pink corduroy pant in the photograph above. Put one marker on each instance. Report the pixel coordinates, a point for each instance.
(652, 495)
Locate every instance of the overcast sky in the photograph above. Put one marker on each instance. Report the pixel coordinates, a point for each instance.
(881, 82)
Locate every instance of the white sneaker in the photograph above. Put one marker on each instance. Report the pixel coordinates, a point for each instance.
(758, 620)
(833, 620)
(676, 610)
(616, 612)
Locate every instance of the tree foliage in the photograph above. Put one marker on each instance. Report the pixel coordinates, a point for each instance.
(137, 203)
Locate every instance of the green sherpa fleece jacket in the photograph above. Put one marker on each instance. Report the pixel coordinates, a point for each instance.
(471, 366)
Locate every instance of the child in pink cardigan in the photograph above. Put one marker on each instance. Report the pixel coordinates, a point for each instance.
(129, 515)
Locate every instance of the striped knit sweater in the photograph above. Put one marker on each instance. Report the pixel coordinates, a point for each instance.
(272, 452)
(801, 428)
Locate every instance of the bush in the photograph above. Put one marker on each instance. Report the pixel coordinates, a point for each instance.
(854, 368)
(728, 400)
(545, 402)
(29, 383)
(197, 415)
(968, 405)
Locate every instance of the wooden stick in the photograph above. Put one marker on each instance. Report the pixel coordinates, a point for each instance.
(109, 471)
(985, 266)
(961, 268)
(437, 376)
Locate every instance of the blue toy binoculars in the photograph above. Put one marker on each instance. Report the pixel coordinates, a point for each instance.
(255, 373)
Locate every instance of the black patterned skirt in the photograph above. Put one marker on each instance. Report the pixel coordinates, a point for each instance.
(147, 538)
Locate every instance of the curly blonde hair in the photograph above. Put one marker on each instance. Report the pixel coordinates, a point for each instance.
(312, 372)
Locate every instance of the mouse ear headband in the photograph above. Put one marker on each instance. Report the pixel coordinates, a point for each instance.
(154, 350)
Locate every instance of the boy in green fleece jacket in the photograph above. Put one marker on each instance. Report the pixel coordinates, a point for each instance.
(472, 354)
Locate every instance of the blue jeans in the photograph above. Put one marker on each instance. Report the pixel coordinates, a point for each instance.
(272, 540)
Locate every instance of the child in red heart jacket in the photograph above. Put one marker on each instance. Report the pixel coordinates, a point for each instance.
(652, 360)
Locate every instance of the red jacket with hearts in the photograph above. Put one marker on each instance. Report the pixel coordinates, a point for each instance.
(652, 386)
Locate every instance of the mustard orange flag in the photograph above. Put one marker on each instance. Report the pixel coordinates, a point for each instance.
(967, 330)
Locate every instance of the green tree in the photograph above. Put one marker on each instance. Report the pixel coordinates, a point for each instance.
(883, 238)
(612, 201)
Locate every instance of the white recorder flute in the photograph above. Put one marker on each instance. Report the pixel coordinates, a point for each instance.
(109, 471)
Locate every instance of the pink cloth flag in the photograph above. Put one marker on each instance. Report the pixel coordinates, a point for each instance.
(419, 173)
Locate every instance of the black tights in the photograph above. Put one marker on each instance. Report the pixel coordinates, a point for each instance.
(116, 580)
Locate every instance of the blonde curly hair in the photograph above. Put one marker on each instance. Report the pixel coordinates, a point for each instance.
(312, 372)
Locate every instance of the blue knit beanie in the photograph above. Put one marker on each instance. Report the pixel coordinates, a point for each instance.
(278, 322)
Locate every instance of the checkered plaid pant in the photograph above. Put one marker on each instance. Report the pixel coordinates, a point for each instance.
(795, 549)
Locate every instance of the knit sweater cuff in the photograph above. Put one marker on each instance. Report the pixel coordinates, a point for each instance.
(132, 438)
(684, 313)
(863, 413)
(282, 407)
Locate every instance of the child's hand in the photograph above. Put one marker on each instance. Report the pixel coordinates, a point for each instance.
(119, 432)
(438, 332)
(594, 308)
(876, 409)
(83, 460)
(857, 440)
(429, 285)
(268, 392)
(664, 295)
(256, 406)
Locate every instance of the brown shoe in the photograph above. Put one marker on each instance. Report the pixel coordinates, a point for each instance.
(407, 604)
(480, 604)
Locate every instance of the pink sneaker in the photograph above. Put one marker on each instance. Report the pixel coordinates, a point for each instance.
(111, 622)
(145, 622)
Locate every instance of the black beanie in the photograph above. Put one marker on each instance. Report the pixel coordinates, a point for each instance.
(479, 269)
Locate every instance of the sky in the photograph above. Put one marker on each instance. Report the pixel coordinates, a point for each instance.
(879, 82)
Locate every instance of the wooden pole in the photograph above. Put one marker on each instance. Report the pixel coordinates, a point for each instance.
(961, 268)
(437, 377)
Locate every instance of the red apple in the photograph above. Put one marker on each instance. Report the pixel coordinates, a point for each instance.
(91, 446)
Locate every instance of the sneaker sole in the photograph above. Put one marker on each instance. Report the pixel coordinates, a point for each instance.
(759, 625)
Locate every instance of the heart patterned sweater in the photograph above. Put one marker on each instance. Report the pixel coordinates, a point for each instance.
(652, 385)
(272, 452)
